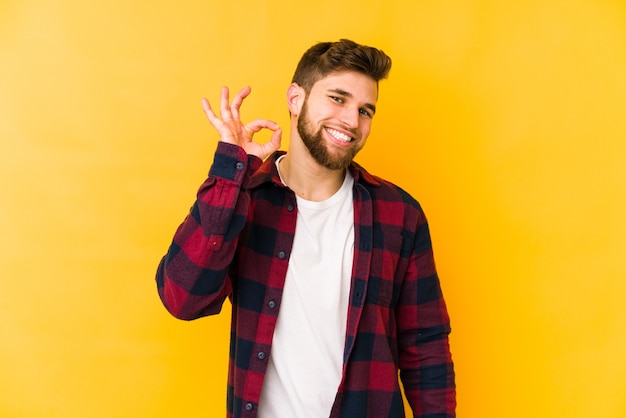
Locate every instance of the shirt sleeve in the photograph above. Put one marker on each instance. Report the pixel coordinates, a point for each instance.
(426, 367)
(192, 278)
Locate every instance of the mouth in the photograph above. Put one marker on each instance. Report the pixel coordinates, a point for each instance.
(341, 137)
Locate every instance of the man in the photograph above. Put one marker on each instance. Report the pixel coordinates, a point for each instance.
(329, 269)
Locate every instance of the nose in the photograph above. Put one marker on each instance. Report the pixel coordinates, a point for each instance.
(350, 117)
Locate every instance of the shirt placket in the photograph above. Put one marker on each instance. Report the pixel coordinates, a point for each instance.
(267, 318)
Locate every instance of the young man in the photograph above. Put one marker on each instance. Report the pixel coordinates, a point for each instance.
(329, 269)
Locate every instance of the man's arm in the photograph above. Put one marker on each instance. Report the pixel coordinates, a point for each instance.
(426, 367)
(192, 278)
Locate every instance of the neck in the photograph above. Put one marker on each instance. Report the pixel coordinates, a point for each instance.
(308, 179)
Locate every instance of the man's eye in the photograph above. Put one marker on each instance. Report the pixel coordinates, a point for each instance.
(337, 99)
(364, 112)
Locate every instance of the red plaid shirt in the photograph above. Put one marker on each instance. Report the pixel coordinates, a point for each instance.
(236, 243)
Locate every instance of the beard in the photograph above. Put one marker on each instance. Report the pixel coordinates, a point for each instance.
(315, 143)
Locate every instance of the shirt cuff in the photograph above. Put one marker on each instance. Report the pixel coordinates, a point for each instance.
(230, 162)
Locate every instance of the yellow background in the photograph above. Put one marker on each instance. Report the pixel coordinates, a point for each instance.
(506, 119)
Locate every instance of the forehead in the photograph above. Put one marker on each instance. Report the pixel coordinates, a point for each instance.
(360, 86)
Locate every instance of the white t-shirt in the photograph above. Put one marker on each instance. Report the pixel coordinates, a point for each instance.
(306, 362)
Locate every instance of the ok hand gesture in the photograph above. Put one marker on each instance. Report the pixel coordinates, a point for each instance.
(233, 131)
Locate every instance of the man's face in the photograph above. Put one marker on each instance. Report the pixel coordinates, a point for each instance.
(336, 118)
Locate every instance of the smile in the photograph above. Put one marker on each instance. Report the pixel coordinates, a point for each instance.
(339, 136)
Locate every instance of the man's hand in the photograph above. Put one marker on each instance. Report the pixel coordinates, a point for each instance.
(233, 131)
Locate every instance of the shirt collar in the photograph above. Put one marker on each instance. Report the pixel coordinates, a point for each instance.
(267, 173)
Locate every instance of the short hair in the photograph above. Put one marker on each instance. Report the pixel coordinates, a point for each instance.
(325, 58)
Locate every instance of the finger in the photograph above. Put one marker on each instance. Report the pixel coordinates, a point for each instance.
(225, 104)
(256, 125)
(238, 100)
(272, 145)
(208, 111)
(274, 142)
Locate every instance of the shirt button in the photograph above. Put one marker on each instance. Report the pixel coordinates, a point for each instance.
(248, 406)
(239, 166)
(271, 304)
(282, 255)
(290, 208)
(261, 355)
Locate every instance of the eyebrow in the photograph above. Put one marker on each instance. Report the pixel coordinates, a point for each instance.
(344, 93)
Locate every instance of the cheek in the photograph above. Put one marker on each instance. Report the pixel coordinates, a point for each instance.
(366, 128)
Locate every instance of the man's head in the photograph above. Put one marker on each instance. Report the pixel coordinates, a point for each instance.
(332, 99)
(326, 58)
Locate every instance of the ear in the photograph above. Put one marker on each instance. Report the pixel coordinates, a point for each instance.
(295, 98)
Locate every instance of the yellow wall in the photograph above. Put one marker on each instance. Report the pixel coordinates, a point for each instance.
(506, 119)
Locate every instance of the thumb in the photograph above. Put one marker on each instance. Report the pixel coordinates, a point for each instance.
(275, 140)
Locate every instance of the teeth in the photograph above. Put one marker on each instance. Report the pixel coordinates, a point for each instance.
(338, 135)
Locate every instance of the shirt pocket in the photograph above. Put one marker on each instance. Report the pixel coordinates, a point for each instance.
(386, 250)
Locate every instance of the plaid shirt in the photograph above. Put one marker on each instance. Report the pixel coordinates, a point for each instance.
(236, 243)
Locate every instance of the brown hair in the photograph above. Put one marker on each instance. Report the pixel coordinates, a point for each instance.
(345, 55)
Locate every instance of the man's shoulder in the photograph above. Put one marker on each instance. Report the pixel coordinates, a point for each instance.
(382, 190)
(265, 172)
